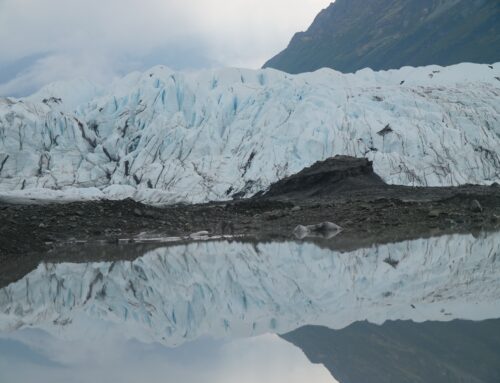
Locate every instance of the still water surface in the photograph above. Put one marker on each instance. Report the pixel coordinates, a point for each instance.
(425, 310)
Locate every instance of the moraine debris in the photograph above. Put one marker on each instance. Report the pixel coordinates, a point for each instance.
(387, 129)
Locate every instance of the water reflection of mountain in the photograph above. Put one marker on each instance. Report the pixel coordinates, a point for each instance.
(405, 352)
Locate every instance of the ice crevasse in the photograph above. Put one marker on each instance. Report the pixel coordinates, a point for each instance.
(163, 136)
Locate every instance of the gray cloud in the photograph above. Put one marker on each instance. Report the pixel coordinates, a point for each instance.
(47, 40)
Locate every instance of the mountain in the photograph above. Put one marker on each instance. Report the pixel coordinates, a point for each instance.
(405, 351)
(164, 136)
(181, 293)
(388, 34)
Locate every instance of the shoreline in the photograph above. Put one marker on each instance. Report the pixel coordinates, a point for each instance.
(342, 190)
(35, 233)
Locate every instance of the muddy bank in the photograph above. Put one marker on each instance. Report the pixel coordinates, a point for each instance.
(342, 190)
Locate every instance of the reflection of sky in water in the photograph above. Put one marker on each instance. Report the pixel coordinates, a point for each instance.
(33, 356)
(219, 301)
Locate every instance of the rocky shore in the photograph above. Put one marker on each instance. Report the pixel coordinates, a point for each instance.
(342, 190)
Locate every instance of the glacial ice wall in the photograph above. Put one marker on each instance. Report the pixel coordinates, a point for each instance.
(193, 137)
(176, 294)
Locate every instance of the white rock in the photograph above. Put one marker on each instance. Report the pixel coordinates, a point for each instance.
(323, 230)
(199, 234)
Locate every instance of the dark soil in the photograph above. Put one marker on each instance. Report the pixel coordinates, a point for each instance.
(341, 190)
(328, 178)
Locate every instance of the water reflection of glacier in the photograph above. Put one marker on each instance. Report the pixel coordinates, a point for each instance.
(180, 293)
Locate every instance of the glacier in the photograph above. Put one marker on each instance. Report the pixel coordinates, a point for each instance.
(163, 137)
(226, 289)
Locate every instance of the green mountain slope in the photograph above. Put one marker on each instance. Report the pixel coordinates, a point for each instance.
(386, 34)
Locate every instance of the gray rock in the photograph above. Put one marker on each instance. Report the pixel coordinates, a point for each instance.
(137, 212)
(434, 214)
(301, 231)
(476, 207)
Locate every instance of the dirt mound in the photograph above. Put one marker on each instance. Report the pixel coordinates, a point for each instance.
(332, 176)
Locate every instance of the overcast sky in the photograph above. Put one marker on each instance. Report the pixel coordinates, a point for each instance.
(47, 40)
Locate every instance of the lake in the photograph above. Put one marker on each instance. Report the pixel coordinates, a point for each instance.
(423, 310)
